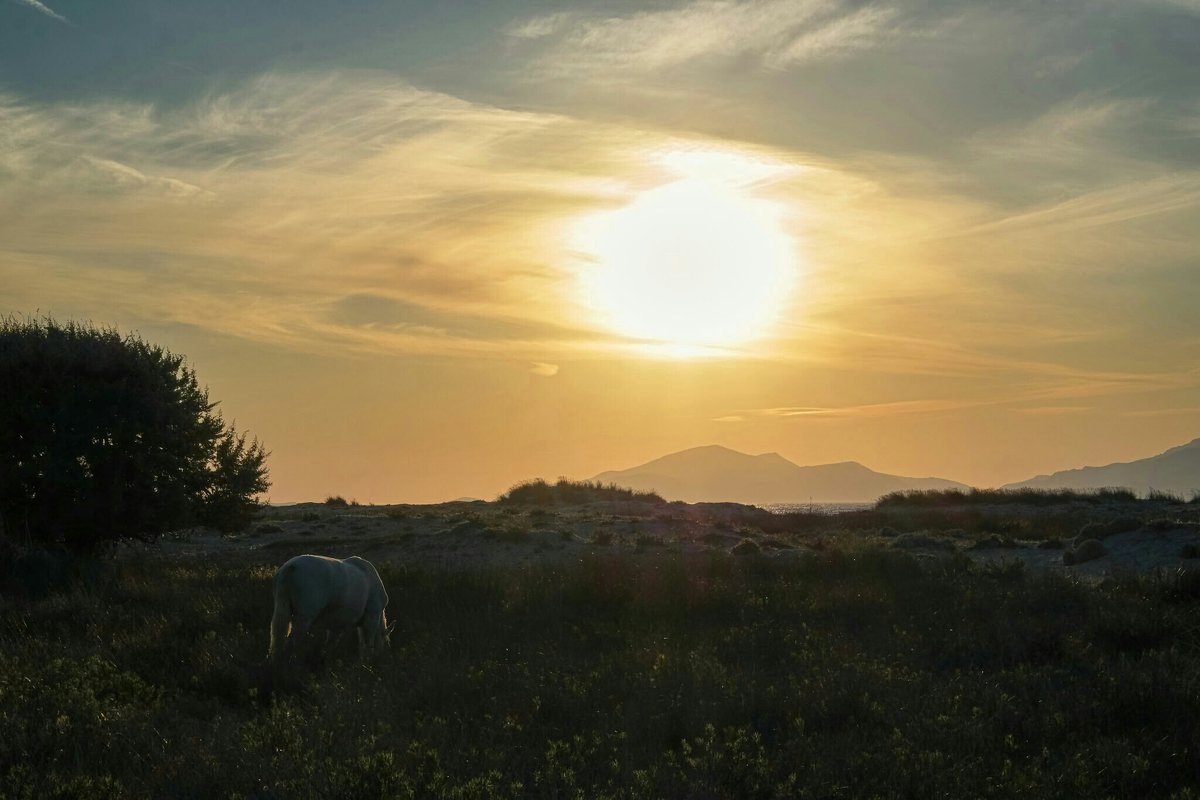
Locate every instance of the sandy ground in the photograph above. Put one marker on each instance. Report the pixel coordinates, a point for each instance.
(471, 535)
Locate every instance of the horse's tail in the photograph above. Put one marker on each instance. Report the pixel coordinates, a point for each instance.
(281, 619)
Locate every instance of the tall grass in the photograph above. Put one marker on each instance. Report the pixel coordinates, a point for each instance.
(847, 674)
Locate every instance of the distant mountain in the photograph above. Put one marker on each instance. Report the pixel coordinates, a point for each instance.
(718, 474)
(1177, 470)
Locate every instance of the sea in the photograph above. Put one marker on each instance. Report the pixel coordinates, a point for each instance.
(815, 508)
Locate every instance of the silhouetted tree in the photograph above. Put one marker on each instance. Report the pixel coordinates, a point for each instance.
(105, 438)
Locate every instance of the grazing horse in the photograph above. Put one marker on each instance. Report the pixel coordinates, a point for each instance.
(333, 594)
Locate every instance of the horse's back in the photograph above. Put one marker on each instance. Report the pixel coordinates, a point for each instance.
(324, 588)
(377, 592)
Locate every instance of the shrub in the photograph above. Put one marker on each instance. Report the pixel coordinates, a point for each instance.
(746, 547)
(336, 501)
(1101, 530)
(506, 534)
(567, 492)
(916, 541)
(1088, 550)
(105, 438)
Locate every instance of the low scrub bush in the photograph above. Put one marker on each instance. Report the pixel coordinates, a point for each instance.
(566, 492)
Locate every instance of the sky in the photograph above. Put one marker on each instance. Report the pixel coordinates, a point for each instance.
(427, 250)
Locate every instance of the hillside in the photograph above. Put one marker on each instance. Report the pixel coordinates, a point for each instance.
(1177, 470)
(718, 474)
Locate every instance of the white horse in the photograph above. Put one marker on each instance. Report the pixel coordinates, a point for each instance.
(331, 594)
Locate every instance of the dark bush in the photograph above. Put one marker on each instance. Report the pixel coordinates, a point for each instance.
(106, 438)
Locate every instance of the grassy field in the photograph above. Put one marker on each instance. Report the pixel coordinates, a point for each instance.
(850, 673)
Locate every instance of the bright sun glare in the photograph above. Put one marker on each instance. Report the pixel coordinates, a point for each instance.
(691, 266)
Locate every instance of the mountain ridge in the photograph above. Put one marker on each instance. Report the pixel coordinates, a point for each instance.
(714, 473)
(1175, 470)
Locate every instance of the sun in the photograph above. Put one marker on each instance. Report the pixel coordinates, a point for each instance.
(691, 266)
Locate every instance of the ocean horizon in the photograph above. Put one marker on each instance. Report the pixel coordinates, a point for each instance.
(815, 508)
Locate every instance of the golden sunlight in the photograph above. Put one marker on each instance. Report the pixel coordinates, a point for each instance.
(691, 265)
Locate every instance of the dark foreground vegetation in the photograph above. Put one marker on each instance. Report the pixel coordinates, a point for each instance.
(840, 674)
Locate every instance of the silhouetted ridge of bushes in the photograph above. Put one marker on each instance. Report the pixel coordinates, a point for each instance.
(1032, 497)
(565, 492)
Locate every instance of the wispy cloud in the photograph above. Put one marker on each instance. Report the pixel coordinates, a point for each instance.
(1183, 411)
(776, 33)
(1105, 206)
(537, 27)
(544, 370)
(1012, 397)
(42, 7)
(1053, 411)
(838, 36)
(870, 409)
(126, 176)
(1184, 5)
(1076, 132)
(294, 191)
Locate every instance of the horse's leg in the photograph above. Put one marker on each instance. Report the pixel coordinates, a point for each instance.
(280, 622)
(301, 642)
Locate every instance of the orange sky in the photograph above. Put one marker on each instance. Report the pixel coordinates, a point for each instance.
(559, 242)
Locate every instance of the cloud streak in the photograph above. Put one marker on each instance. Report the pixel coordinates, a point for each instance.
(42, 7)
(872, 409)
(776, 33)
